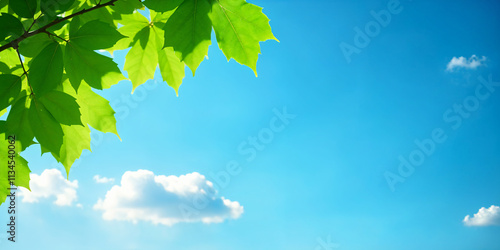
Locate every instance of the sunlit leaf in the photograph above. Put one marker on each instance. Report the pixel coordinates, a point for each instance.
(239, 27)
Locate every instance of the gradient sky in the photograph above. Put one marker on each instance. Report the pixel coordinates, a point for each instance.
(323, 178)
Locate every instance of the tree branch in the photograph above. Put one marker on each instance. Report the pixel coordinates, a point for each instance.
(14, 43)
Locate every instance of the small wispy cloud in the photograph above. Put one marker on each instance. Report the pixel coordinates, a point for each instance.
(166, 200)
(99, 179)
(461, 62)
(484, 217)
(50, 184)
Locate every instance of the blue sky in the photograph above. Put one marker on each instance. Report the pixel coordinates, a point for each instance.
(320, 182)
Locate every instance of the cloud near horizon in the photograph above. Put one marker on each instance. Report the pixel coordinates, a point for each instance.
(484, 217)
(166, 200)
(50, 184)
(99, 179)
(461, 62)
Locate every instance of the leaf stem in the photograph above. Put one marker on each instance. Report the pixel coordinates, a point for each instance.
(24, 70)
(54, 35)
(34, 21)
(14, 43)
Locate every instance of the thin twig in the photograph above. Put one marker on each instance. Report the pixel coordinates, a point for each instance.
(34, 21)
(54, 35)
(24, 69)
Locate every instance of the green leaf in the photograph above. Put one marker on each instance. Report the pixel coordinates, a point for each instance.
(171, 68)
(47, 130)
(101, 14)
(76, 139)
(74, 25)
(188, 31)
(127, 6)
(162, 5)
(18, 122)
(96, 35)
(97, 70)
(4, 68)
(24, 8)
(142, 59)
(96, 110)
(22, 172)
(9, 57)
(55, 7)
(160, 18)
(62, 107)
(2, 112)
(10, 87)
(239, 27)
(10, 26)
(32, 46)
(132, 24)
(46, 69)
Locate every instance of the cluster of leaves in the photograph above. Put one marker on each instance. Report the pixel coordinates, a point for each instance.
(51, 60)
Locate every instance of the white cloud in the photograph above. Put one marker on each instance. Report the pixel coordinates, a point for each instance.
(50, 183)
(166, 200)
(485, 217)
(461, 62)
(99, 179)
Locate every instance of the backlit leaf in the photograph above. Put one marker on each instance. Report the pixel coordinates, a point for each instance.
(21, 177)
(188, 32)
(96, 110)
(171, 68)
(142, 59)
(239, 27)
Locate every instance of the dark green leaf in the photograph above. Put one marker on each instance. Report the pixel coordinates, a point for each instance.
(97, 70)
(96, 35)
(30, 47)
(127, 6)
(188, 31)
(62, 107)
(46, 69)
(10, 87)
(47, 130)
(162, 5)
(55, 7)
(10, 26)
(24, 8)
(18, 122)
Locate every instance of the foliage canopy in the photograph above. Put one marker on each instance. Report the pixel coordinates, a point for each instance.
(50, 62)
